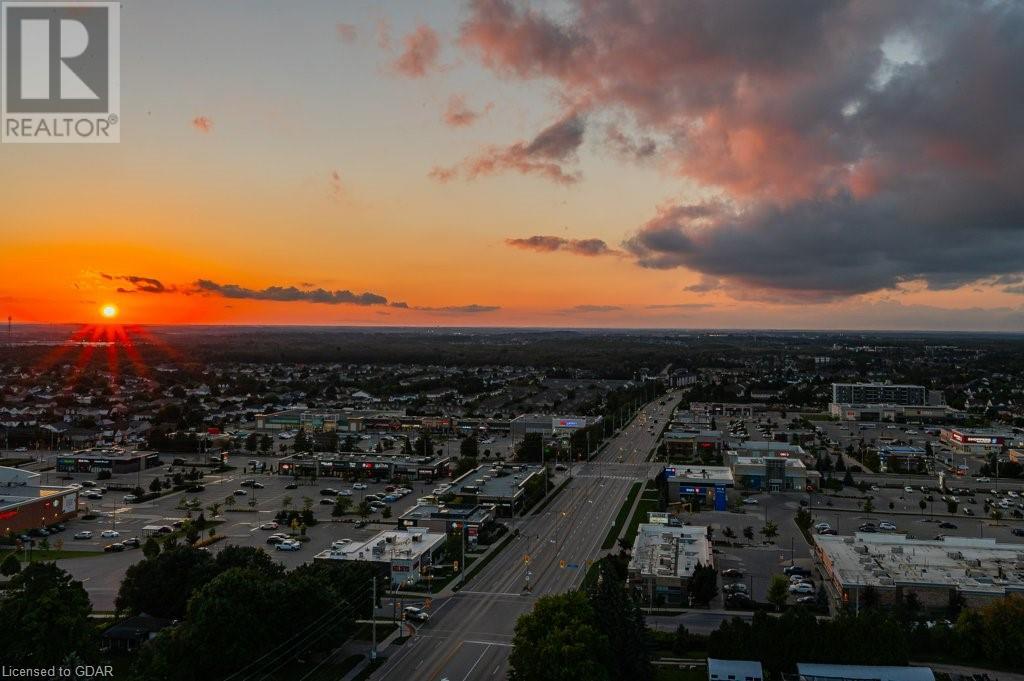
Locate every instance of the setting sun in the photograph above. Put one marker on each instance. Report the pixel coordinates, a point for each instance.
(109, 311)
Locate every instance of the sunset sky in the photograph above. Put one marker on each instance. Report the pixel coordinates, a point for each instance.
(583, 163)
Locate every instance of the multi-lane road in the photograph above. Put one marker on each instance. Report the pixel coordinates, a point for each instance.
(470, 633)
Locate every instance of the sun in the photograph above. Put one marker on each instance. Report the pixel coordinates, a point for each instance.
(109, 311)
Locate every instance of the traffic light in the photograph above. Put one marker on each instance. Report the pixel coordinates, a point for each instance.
(455, 566)
(561, 563)
(427, 602)
(526, 559)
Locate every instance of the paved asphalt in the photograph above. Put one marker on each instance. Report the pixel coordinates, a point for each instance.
(470, 633)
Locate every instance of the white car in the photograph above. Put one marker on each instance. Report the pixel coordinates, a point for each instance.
(359, 485)
(289, 545)
(110, 534)
(887, 526)
(269, 526)
(84, 534)
(908, 488)
(801, 588)
(129, 498)
(414, 613)
(750, 501)
(821, 527)
(345, 493)
(340, 543)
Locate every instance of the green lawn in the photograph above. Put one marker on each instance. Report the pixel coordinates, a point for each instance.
(620, 520)
(645, 505)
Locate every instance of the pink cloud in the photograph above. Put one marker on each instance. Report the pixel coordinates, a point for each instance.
(202, 124)
(347, 33)
(422, 49)
(458, 114)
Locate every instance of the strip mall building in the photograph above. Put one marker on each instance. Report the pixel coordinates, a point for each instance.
(27, 505)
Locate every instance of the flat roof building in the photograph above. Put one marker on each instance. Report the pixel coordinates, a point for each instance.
(893, 459)
(692, 442)
(975, 440)
(501, 485)
(113, 459)
(895, 566)
(886, 402)
(549, 426)
(768, 473)
(734, 670)
(27, 505)
(704, 486)
(408, 554)
(664, 558)
(879, 393)
(353, 466)
(447, 519)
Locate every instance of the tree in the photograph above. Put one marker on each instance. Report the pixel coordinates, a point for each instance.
(702, 586)
(341, 506)
(48, 617)
(386, 513)
(997, 515)
(922, 504)
(469, 447)
(11, 566)
(154, 486)
(364, 509)
(770, 530)
(728, 533)
(531, 448)
(214, 509)
(867, 506)
(229, 500)
(252, 442)
(151, 547)
(748, 533)
(778, 591)
(559, 641)
(619, 618)
(160, 586)
(803, 519)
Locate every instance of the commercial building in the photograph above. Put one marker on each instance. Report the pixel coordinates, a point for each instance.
(894, 459)
(359, 466)
(887, 402)
(699, 486)
(745, 409)
(504, 486)
(856, 672)
(879, 393)
(768, 448)
(27, 505)
(692, 442)
(974, 441)
(448, 519)
(894, 566)
(112, 459)
(549, 426)
(407, 554)
(768, 473)
(664, 557)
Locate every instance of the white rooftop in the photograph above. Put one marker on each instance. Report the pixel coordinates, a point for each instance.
(664, 551)
(387, 546)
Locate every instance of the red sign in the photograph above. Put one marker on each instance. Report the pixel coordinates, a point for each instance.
(7, 514)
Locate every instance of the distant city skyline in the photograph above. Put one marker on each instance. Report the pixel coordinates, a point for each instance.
(818, 165)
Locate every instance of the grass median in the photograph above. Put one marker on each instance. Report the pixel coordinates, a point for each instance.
(620, 519)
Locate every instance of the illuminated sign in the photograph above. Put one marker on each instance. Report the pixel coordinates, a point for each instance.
(8, 514)
(568, 423)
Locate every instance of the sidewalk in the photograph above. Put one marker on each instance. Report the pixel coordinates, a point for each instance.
(365, 662)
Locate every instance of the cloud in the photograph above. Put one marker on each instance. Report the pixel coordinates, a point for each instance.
(584, 309)
(346, 33)
(550, 244)
(202, 124)
(289, 294)
(459, 115)
(138, 284)
(338, 191)
(705, 284)
(853, 146)
(461, 309)
(544, 155)
(422, 49)
(384, 34)
(679, 306)
(635, 149)
(1018, 290)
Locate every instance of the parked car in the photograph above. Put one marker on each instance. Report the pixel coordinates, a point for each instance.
(277, 538)
(801, 588)
(327, 502)
(735, 588)
(946, 525)
(887, 526)
(240, 493)
(750, 501)
(807, 600)
(738, 600)
(132, 542)
(867, 527)
(129, 498)
(84, 534)
(109, 548)
(796, 570)
(272, 525)
(1017, 531)
(345, 492)
(732, 573)
(329, 492)
(110, 534)
(359, 485)
(288, 545)
(291, 485)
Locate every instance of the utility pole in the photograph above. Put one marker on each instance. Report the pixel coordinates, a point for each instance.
(373, 619)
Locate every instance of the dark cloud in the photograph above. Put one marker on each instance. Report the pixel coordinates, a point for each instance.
(461, 309)
(544, 155)
(138, 284)
(550, 244)
(1018, 290)
(679, 306)
(422, 49)
(705, 284)
(632, 148)
(591, 308)
(289, 294)
(853, 145)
